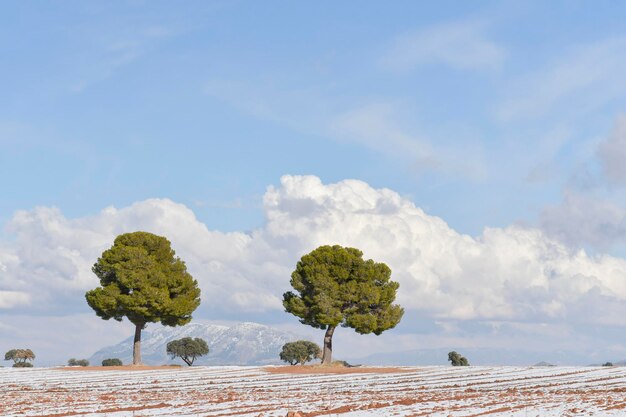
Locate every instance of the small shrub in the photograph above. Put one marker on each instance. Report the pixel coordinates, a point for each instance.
(300, 352)
(78, 362)
(344, 364)
(112, 362)
(457, 360)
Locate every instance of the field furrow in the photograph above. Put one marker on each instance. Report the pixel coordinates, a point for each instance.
(272, 392)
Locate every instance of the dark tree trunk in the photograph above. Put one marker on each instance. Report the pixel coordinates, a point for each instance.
(327, 356)
(137, 345)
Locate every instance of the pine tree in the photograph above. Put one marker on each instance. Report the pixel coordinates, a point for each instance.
(334, 286)
(142, 279)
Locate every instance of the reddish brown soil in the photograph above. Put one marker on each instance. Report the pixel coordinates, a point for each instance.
(120, 368)
(226, 396)
(318, 369)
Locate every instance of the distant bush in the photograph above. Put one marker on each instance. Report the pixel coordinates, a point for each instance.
(78, 362)
(457, 360)
(20, 357)
(22, 365)
(300, 352)
(112, 362)
(344, 364)
(607, 364)
(187, 349)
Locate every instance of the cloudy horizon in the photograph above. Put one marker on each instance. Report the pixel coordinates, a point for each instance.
(505, 285)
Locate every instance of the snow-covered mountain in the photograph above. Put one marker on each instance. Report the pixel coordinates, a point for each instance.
(241, 344)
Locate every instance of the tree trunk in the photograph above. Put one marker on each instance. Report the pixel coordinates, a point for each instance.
(137, 345)
(327, 356)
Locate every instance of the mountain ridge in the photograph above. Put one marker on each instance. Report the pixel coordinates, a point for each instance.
(245, 343)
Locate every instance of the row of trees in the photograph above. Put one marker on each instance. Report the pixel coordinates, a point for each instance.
(77, 362)
(304, 351)
(187, 349)
(142, 279)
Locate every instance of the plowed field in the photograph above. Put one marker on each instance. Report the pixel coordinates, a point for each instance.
(359, 392)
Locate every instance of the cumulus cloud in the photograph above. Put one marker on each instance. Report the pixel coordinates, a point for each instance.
(461, 45)
(51, 256)
(583, 219)
(612, 153)
(591, 212)
(511, 273)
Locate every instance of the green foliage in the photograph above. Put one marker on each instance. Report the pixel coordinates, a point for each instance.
(336, 286)
(112, 362)
(607, 364)
(457, 360)
(300, 352)
(20, 357)
(143, 280)
(187, 349)
(22, 365)
(78, 362)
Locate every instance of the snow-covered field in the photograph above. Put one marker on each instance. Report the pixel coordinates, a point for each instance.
(252, 391)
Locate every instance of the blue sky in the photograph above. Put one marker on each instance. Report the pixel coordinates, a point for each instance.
(209, 103)
(483, 114)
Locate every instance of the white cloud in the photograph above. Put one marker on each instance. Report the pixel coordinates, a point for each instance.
(462, 45)
(11, 299)
(384, 126)
(505, 273)
(592, 211)
(511, 273)
(376, 126)
(582, 79)
(584, 219)
(55, 254)
(612, 153)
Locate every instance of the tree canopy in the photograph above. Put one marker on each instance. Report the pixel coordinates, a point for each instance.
(301, 351)
(20, 357)
(142, 279)
(187, 349)
(457, 360)
(334, 286)
(112, 362)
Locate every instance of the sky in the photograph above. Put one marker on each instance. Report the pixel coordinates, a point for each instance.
(477, 148)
